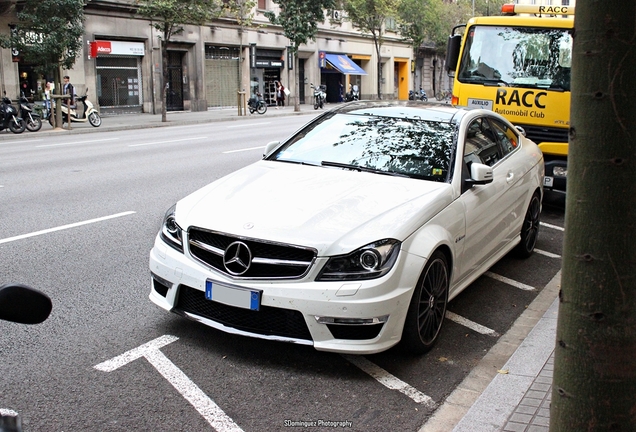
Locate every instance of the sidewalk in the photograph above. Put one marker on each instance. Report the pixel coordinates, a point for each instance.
(510, 389)
(175, 118)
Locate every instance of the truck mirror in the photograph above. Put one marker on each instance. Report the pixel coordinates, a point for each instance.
(452, 52)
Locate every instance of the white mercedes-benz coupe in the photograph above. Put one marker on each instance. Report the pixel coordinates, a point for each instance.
(353, 234)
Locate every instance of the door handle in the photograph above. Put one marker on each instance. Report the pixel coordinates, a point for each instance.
(510, 176)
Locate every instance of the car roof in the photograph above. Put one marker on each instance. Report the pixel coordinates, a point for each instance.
(416, 110)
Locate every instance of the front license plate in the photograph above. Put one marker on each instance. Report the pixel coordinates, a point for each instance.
(548, 181)
(233, 296)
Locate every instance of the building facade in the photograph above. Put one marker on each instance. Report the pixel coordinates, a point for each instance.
(121, 64)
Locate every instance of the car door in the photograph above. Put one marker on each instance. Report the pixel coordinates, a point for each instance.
(486, 206)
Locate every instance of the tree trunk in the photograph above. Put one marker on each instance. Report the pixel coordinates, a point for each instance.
(164, 80)
(377, 43)
(296, 81)
(594, 386)
(57, 80)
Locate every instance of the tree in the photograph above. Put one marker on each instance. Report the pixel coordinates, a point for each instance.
(299, 20)
(369, 17)
(242, 11)
(595, 356)
(169, 17)
(48, 35)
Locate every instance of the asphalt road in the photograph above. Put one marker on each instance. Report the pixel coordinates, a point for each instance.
(78, 217)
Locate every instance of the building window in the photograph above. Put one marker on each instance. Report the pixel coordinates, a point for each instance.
(262, 4)
(390, 24)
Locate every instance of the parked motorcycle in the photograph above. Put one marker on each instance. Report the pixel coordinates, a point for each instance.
(320, 95)
(90, 114)
(353, 94)
(23, 305)
(9, 117)
(256, 103)
(32, 120)
(421, 95)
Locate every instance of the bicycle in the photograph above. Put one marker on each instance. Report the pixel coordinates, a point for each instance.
(443, 95)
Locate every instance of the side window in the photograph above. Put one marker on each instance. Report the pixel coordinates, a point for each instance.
(507, 136)
(481, 144)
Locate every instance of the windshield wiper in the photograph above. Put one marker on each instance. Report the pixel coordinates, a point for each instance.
(361, 168)
(494, 82)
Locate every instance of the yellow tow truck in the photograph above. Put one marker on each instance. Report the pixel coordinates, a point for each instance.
(518, 65)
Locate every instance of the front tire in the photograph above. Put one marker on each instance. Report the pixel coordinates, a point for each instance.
(17, 125)
(261, 108)
(33, 123)
(94, 119)
(530, 228)
(427, 309)
(316, 103)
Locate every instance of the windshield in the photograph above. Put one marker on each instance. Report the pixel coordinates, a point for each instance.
(383, 145)
(517, 56)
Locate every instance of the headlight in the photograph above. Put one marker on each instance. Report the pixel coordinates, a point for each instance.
(560, 171)
(171, 231)
(368, 262)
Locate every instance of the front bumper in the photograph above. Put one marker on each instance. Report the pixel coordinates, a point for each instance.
(297, 311)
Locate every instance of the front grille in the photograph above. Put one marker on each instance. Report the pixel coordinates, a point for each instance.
(266, 321)
(355, 332)
(269, 260)
(540, 134)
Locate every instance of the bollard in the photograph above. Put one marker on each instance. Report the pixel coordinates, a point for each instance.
(242, 107)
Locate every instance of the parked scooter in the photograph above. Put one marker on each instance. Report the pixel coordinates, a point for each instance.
(353, 94)
(32, 120)
(90, 113)
(421, 95)
(256, 103)
(320, 95)
(23, 305)
(9, 117)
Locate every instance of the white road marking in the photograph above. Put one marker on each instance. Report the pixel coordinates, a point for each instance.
(390, 381)
(470, 324)
(546, 253)
(63, 227)
(509, 281)
(212, 413)
(167, 142)
(246, 125)
(77, 142)
(8, 412)
(242, 150)
(27, 141)
(547, 225)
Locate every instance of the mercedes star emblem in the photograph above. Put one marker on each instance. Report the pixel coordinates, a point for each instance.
(237, 258)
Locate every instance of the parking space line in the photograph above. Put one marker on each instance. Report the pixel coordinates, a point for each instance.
(547, 225)
(471, 324)
(546, 253)
(212, 413)
(390, 381)
(509, 281)
(63, 227)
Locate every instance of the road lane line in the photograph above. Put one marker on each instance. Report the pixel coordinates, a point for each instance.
(167, 142)
(249, 124)
(555, 227)
(508, 281)
(242, 150)
(63, 227)
(546, 253)
(212, 413)
(471, 324)
(77, 142)
(390, 381)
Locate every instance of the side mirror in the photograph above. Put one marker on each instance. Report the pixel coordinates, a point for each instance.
(480, 174)
(24, 305)
(452, 52)
(270, 147)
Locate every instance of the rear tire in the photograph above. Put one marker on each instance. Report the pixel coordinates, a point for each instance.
(427, 309)
(94, 119)
(530, 228)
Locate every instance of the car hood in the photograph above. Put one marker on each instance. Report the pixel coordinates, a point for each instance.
(332, 210)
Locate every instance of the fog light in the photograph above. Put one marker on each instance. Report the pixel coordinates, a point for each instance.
(560, 171)
(352, 321)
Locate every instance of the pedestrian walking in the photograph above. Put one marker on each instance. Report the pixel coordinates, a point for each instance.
(280, 95)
